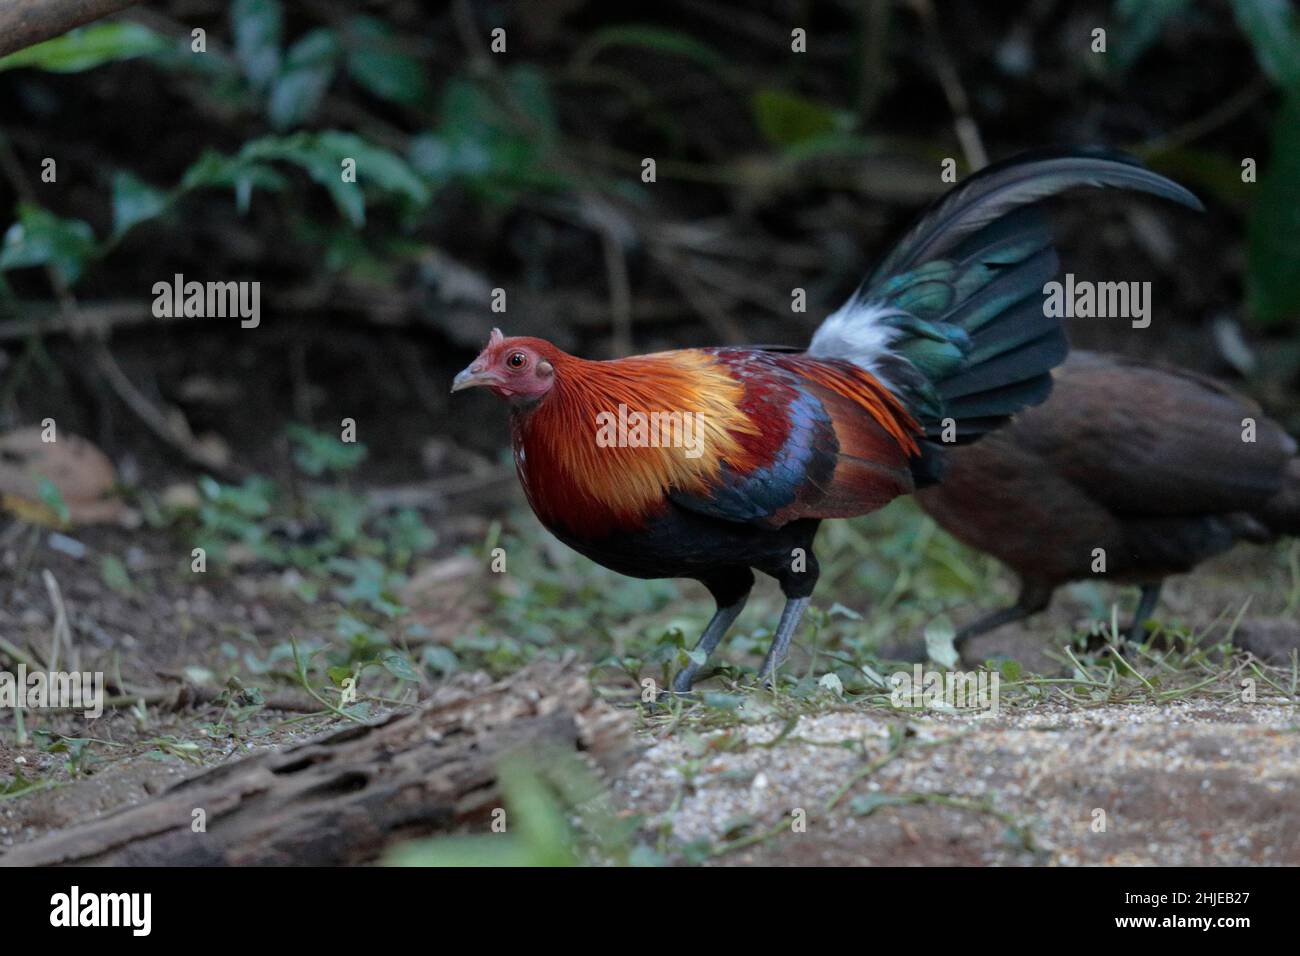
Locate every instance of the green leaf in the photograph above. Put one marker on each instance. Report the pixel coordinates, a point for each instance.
(535, 811)
(321, 156)
(378, 66)
(832, 683)
(873, 676)
(134, 202)
(241, 175)
(114, 573)
(501, 850)
(477, 143)
(257, 26)
(1273, 27)
(20, 785)
(308, 68)
(532, 92)
(41, 238)
(939, 645)
(1273, 240)
(397, 664)
(720, 701)
(372, 583)
(352, 629)
(88, 47)
(788, 119)
(52, 498)
(441, 659)
(407, 535)
(318, 452)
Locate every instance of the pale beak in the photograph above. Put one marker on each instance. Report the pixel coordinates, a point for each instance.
(473, 377)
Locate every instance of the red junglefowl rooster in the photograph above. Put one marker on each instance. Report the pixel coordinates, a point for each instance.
(949, 329)
(1158, 467)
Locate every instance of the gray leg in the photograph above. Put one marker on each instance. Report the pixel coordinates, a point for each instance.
(722, 619)
(790, 617)
(1146, 607)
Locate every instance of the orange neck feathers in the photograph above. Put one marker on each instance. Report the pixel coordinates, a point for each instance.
(600, 452)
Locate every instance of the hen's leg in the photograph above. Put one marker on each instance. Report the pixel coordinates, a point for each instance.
(1034, 597)
(989, 622)
(1146, 607)
(730, 589)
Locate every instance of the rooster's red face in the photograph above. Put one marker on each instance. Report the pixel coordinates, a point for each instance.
(515, 368)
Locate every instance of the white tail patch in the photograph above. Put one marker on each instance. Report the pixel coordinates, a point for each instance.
(856, 332)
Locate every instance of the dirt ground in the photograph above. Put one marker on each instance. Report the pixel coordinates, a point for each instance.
(1183, 783)
(1179, 784)
(1191, 781)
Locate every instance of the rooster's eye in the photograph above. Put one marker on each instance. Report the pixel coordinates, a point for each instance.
(517, 360)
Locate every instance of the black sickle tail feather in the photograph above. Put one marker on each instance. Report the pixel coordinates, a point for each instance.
(953, 320)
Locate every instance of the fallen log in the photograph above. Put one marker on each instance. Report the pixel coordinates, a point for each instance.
(346, 797)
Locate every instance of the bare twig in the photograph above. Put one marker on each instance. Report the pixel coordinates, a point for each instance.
(25, 23)
(61, 633)
(620, 292)
(420, 494)
(193, 695)
(968, 134)
(171, 429)
(678, 270)
(1222, 114)
(86, 320)
(17, 654)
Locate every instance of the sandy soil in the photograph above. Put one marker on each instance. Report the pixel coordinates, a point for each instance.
(1179, 784)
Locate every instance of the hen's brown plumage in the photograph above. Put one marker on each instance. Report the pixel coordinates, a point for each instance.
(1147, 463)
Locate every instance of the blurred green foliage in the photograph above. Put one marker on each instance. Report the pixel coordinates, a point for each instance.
(556, 813)
(498, 143)
(330, 545)
(1273, 29)
(88, 47)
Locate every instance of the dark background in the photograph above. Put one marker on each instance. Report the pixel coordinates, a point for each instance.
(520, 170)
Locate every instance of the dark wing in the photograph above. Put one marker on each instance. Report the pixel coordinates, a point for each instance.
(1145, 440)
